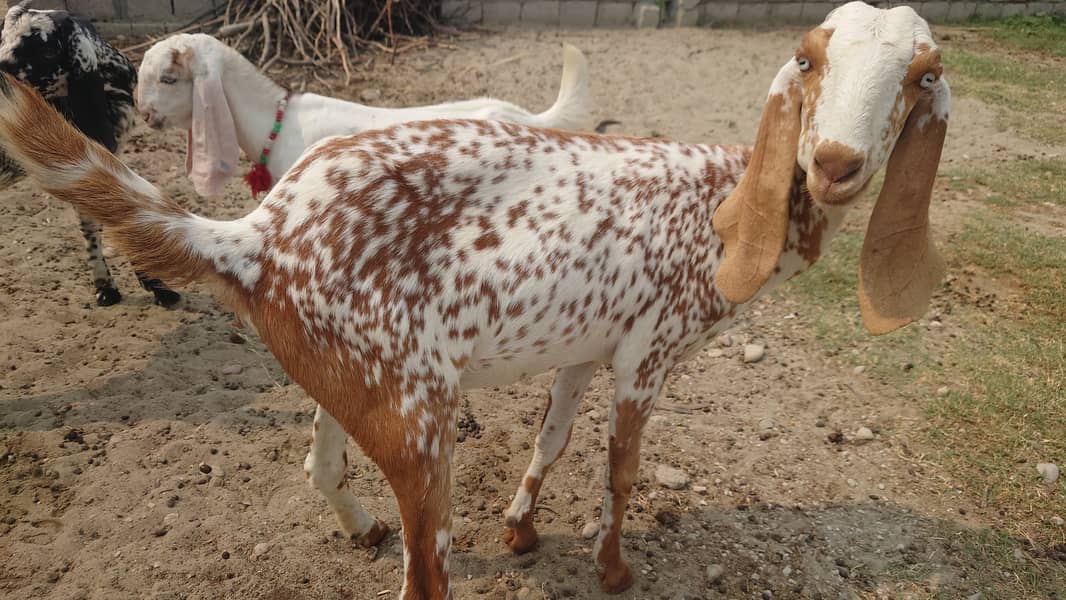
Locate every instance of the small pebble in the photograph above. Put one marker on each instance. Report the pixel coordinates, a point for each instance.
(232, 369)
(1050, 471)
(170, 518)
(714, 573)
(943, 391)
(699, 489)
(590, 530)
(716, 353)
(725, 341)
(864, 434)
(370, 95)
(260, 549)
(1057, 520)
(669, 477)
(753, 353)
(859, 370)
(205, 468)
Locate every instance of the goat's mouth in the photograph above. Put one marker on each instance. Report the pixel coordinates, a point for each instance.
(839, 192)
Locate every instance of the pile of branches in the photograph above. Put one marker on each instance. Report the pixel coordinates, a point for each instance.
(323, 31)
(320, 32)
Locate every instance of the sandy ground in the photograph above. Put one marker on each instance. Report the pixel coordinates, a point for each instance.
(107, 413)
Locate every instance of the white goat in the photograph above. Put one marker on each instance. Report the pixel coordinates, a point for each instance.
(390, 270)
(196, 82)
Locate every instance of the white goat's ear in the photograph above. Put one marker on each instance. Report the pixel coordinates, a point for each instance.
(212, 153)
(753, 221)
(900, 267)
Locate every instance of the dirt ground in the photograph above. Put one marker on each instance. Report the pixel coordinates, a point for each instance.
(106, 414)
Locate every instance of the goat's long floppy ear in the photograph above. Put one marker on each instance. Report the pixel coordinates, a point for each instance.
(753, 221)
(213, 152)
(900, 267)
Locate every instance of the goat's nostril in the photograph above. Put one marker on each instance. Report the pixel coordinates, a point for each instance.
(837, 162)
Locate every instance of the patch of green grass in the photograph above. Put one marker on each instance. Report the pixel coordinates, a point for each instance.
(1007, 410)
(830, 287)
(999, 574)
(1031, 97)
(1021, 181)
(1045, 33)
(986, 561)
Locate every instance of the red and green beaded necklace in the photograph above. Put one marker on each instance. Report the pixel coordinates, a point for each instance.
(259, 178)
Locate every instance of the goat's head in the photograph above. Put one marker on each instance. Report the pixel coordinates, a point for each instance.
(864, 88)
(165, 82)
(181, 86)
(38, 47)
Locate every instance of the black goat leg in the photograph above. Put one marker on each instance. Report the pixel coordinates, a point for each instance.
(164, 296)
(106, 292)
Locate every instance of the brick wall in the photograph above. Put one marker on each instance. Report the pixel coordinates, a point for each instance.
(151, 16)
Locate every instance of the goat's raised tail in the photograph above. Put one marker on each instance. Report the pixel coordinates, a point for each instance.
(158, 236)
(572, 109)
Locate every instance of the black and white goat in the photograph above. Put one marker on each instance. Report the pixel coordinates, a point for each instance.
(91, 83)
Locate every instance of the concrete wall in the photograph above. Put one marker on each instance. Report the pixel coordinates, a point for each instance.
(574, 14)
(116, 17)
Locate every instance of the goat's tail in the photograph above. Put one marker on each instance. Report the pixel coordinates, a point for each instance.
(572, 109)
(156, 234)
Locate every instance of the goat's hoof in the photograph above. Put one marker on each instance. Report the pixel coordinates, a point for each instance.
(106, 296)
(616, 579)
(166, 298)
(377, 532)
(521, 538)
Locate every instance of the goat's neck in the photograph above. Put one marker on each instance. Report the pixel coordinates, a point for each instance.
(253, 102)
(811, 228)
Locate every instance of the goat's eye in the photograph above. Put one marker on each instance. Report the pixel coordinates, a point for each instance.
(168, 80)
(803, 62)
(927, 80)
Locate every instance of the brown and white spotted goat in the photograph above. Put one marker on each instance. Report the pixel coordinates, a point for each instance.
(390, 270)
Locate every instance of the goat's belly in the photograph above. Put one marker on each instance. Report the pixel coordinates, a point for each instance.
(493, 369)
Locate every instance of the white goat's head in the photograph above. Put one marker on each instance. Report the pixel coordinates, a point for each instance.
(181, 86)
(165, 82)
(864, 88)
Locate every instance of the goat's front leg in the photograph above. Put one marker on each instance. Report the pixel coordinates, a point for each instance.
(164, 296)
(565, 397)
(634, 399)
(106, 292)
(326, 466)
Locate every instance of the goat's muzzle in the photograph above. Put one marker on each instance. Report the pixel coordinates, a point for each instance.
(834, 174)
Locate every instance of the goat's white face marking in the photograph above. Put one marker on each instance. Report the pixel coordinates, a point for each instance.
(165, 88)
(862, 71)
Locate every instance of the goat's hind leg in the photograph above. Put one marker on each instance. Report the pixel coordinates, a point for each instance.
(106, 292)
(326, 466)
(164, 296)
(416, 456)
(563, 400)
